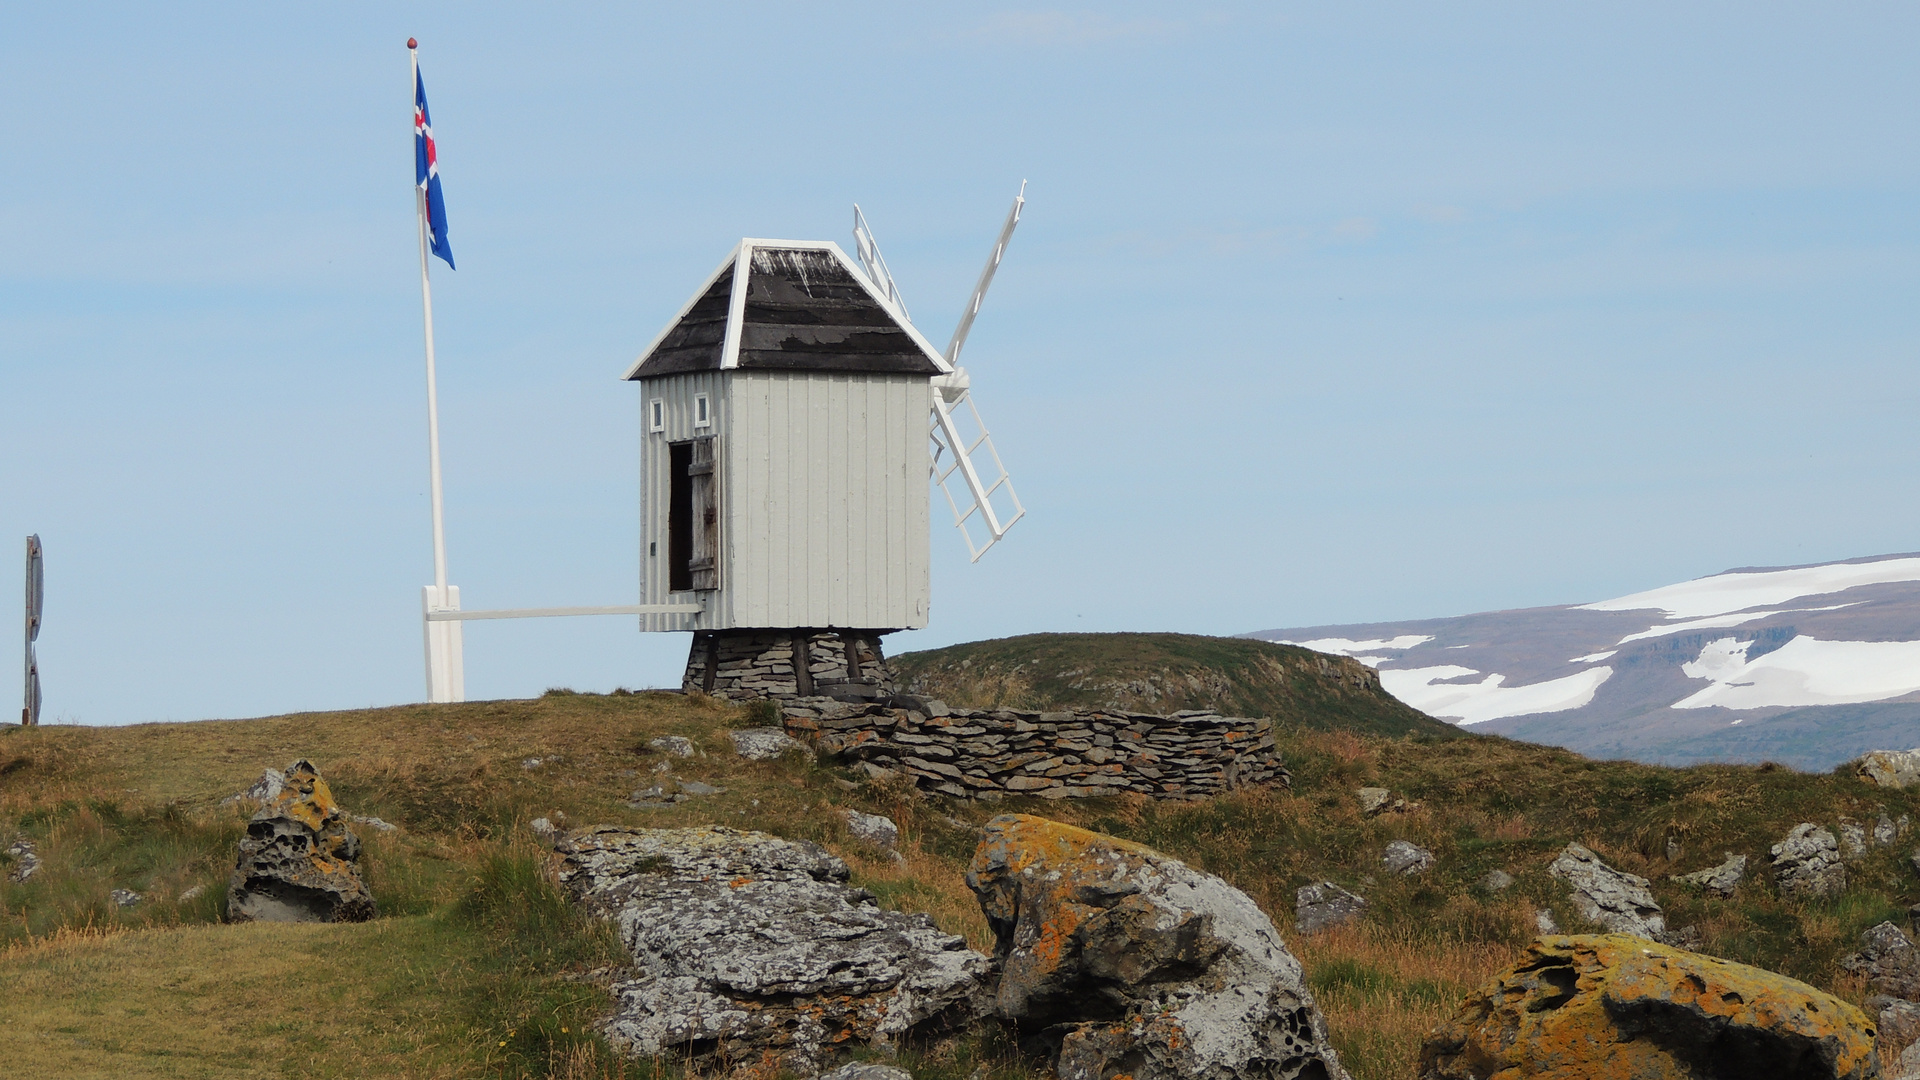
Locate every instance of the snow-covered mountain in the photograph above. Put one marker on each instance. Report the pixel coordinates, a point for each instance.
(1807, 665)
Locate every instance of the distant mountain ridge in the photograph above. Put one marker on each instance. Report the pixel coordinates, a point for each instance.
(1808, 665)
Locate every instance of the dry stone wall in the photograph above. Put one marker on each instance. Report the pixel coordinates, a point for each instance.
(987, 754)
(747, 665)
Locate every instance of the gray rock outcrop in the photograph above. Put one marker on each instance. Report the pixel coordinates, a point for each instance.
(1324, 905)
(675, 745)
(1127, 962)
(1497, 881)
(1406, 858)
(866, 1070)
(1888, 961)
(762, 744)
(26, 861)
(299, 861)
(1719, 880)
(753, 947)
(1897, 769)
(1617, 900)
(1807, 863)
(876, 829)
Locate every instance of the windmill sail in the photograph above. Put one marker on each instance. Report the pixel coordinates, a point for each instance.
(964, 461)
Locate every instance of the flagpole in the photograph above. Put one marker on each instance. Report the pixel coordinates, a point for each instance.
(433, 399)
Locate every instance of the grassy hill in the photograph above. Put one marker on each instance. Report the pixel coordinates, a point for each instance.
(476, 968)
(1164, 673)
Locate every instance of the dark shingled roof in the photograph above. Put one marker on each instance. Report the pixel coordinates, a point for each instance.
(805, 310)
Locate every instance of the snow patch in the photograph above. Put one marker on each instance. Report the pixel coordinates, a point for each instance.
(1593, 658)
(1476, 703)
(1715, 623)
(1722, 594)
(1340, 646)
(1804, 671)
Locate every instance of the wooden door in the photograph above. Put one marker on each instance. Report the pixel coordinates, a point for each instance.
(704, 564)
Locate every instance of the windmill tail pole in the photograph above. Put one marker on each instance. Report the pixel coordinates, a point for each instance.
(446, 679)
(30, 709)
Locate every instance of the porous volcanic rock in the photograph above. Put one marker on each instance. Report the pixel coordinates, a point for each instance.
(299, 861)
(1613, 1005)
(1719, 880)
(1889, 768)
(1807, 863)
(754, 948)
(1129, 963)
(1615, 899)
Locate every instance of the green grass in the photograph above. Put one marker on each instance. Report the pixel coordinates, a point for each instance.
(1164, 673)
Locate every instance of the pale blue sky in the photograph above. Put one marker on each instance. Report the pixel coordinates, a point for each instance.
(1314, 317)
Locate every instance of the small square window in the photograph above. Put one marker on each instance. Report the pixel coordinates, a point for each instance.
(701, 416)
(657, 415)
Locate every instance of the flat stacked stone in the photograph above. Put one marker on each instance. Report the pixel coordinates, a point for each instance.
(1053, 755)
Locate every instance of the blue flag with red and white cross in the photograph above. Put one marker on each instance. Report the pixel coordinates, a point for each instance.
(426, 172)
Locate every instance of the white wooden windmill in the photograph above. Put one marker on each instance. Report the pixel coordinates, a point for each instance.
(791, 414)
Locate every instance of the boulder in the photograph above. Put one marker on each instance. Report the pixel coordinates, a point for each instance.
(1406, 858)
(1611, 898)
(125, 897)
(876, 829)
(1718, 880)
(1888, 962)
(1887, 830)
(1497, 881)
(1807, 863)
(1610, 1005)
(1324, 905)
(1853, 839)
(1543, 921)
(762, 744)
(298, 861)
(1908, 1067)
(1897, 1020)
(1895, 769)
(1126, 962)
(265, 789)
(26, 861)
(753, 948)
(675, 745)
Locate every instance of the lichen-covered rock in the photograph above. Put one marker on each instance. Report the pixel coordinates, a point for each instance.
(1133, 964)
(1610, 1005)
(1889, 768)
(1324, 905)
(1888, 961)
(1611, 898)
(1719, 880)
(754, 948)
(1807, 863)
(763, 744)
(1406, 858)
(876, 829)
(299, 861)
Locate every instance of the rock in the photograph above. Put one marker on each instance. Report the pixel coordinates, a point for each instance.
(1718, 880)
(1898, 1021)
(1908, 1067)
(762, 744)
(695, 787)
(1885, 831)
(372, 822)
(1913, 917)
(875, 829)
(1889, 768)
(1324, 905)
(265, 789)
(752, 947)
(1133, 964)
(1610, 1005)
(654, 797)
(1617, 900)
(1675, 849)
(675, 745)
(124, 897)
(1544, 922)
(26, 861)
(1497, 881)
(1405, 858)
(860, 1070)
(193, 894)
(1888, 961)
(297, 861)
(1854, 836)
(547, 832)
(1373, 799)
(1807, 863)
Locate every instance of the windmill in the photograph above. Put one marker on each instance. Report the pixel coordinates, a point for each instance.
(793, 415)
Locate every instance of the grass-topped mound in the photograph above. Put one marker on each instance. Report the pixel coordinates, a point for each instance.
(1164, 673)
(475, 967)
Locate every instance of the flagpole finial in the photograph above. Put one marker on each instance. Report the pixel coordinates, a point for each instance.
(412, 43)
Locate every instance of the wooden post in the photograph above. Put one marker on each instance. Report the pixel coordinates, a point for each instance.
(713, 662)
(803, 662)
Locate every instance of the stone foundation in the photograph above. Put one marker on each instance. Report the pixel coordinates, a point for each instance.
(989, 754)
(745, 665)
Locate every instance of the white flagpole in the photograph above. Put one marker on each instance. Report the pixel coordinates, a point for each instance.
(446, 679)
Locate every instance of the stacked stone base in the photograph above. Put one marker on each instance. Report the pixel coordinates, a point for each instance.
(989, 754)
(745, 665)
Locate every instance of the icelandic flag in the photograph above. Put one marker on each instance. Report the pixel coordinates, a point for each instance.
(426, 172)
